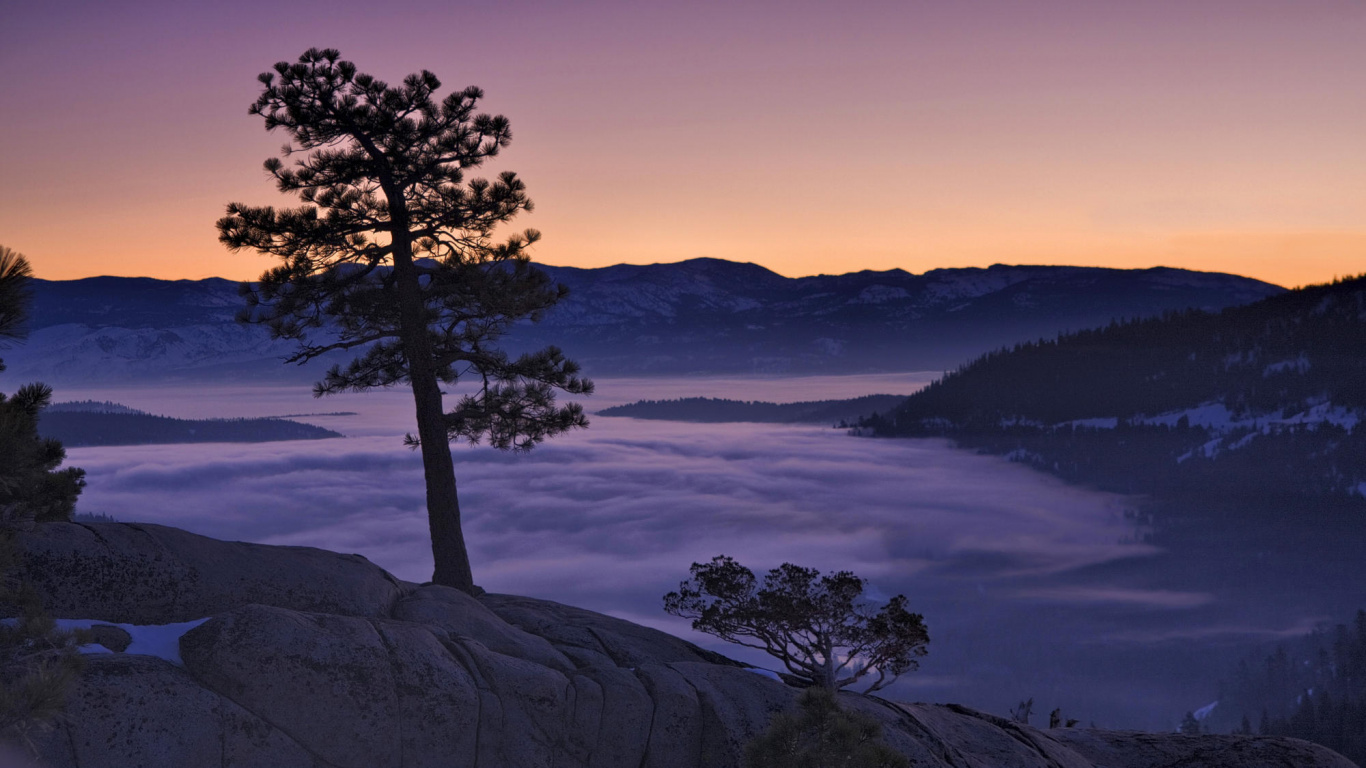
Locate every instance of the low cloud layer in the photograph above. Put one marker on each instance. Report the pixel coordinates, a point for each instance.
(631, 495)
(1004, 562)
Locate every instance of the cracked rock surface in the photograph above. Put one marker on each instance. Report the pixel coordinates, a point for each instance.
(315, 659)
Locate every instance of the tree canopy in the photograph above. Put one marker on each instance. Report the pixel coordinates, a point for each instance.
(32, 488)
(38, 664)
(15, 298)
(395, 253)
(821, 627)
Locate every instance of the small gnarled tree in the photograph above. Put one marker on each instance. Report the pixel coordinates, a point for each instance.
(821, 627)
(394, 253)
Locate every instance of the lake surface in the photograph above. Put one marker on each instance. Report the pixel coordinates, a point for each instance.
(1030, 588)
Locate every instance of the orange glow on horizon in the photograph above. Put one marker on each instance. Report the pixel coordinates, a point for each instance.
(1291, 259)
(1221, 136)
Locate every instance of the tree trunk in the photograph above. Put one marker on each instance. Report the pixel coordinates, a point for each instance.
(452, 561)
(828, 677)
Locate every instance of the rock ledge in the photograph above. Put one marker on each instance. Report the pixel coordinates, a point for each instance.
(311, 658)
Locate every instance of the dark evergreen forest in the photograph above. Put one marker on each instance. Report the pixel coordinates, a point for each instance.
(81, 428)
(1280, 384)
(1240, 436)
(713, 410)
(1312, 689)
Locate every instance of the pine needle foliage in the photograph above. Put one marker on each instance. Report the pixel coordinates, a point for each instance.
(819, 734)
(38, 663)
(396, 254)
(15, 274)
(1266, 363)
(821, 627)
(32, 488)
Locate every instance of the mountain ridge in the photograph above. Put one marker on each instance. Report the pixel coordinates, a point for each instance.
(695, 317)
(1253, 406)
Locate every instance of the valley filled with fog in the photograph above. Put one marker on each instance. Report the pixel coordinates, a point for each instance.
(1030, 587)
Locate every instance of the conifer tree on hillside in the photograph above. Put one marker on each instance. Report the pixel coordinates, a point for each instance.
(15, 274)
(38, 664)
(1315, 691)
(32, 488)
(394, 252)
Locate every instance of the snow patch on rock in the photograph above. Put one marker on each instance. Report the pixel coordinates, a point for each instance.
(160, 640)
(770, 674)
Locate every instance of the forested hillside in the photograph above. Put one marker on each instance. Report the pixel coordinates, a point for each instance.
(1312, 689)
(93, 423)
(712, 410)
(1254, 410)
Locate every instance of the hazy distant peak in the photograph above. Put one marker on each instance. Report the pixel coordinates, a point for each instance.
(696, 316)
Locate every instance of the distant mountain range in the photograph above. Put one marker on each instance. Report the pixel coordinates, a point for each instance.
(1253, 412)
(694, 317)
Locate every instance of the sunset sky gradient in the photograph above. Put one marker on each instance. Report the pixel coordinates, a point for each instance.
(1225, 135)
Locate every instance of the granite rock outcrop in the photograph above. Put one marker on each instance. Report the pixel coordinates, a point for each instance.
(315, 659)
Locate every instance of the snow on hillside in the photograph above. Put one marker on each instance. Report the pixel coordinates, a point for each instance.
(956, 285)
(1216, 417)
(115, 351)
(704, 315)
(1221, 422)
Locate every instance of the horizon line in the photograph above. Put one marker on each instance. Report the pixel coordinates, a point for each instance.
(996, 265)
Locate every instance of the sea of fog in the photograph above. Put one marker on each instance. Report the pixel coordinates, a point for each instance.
(1030, 588)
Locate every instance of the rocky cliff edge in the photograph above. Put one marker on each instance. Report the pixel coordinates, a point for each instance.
(247, 655)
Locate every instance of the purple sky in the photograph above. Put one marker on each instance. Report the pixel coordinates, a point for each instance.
(808, 137)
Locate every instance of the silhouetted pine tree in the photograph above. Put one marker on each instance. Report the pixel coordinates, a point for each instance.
(37, 663)
(393, 252)
(32, 488)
